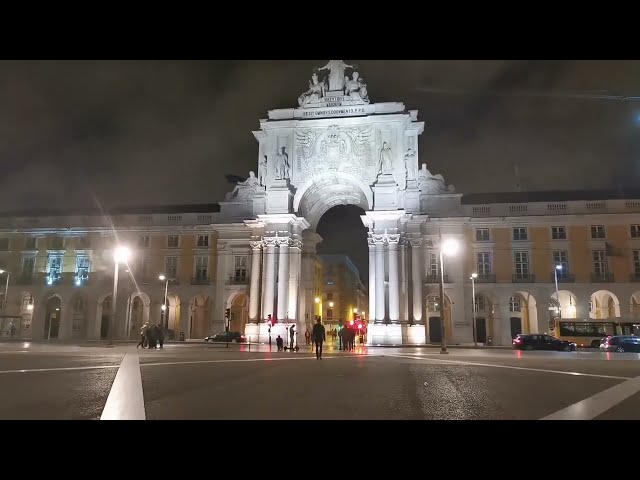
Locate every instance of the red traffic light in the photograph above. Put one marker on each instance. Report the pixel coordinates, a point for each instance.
(359, 326)
(351, 322)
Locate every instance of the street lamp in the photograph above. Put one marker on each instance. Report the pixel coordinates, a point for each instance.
(163, 278)
(121, 254)
(449, 247)
(331, 304)
(555, 274)
(317, 300)
(6, 289)
(473, 293)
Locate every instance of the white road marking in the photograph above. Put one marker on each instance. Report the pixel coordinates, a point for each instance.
(126, 398)
(459, 362)
(591, 407)
(246, 360)
(59, 369)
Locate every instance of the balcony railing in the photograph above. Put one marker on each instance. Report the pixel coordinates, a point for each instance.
(602, 277)
(436, 278)
(200, 281)
(486, 278)
(523, 278)
(564, 278)
(238, 281)
(635, 277)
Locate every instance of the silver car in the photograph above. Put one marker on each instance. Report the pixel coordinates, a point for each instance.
(620, 344)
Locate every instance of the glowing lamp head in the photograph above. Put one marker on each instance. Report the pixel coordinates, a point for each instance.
(121, 254)
(163, 307)
(1, 271)
(474, 275)
(558, 267)
(331, 304)
(162, 278)
(362, 313)
(317, 299)
(355, 310)
(450, 246)
(78, 281)
(30, 306)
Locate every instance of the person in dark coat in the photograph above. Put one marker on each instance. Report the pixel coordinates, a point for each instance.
(161, 336)
(319, 336)
(152, 337)
(279, 343)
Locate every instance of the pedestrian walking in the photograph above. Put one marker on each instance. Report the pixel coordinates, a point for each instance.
(319, 336)
(161, 336)
(143, 336)
(307, 336)
(292, 336)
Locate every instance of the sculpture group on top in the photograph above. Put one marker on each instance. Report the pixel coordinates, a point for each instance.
(336, 83)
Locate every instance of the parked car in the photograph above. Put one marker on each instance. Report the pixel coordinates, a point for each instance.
(227, 337)
(542, 342)
(621, 343)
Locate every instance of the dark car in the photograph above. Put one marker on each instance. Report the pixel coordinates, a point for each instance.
(621, 344)
(542, 342)
(226, 337)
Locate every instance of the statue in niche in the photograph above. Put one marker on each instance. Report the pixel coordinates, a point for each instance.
(432, 184)
(315, 92)
(410, 164)
(356, 87)
(336, 74)
(385, 164)
(244, 190)
(282, 165)
(262, 172)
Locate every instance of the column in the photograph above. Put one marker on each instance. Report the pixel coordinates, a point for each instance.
(416, 278)
(371, 314)
(269, 277)
(380, 314)
(404, 282)
(283, 277)
(394, 301)
(185, 313)
(254, 292)
(294, 280)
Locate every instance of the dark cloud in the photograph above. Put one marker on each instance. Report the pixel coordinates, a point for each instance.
(145, 132)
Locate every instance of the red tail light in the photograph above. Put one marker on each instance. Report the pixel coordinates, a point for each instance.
(517, 340)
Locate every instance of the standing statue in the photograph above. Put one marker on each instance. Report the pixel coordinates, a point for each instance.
(282, 165)
(336, 74)
(410, 164)
(315, 92)
(385, 165)
(244, 189)
(262, 172)
(356, 87)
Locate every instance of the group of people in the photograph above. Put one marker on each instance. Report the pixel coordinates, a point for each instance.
(151, 336)
(348, 338)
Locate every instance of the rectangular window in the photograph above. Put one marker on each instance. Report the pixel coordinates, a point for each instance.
(635, 231)
(203, 240)
(173, 241)
(560, 258)
(597, 231)
(599, 263)
(483, 263)
(143, 268)
(433, 264)
(558, 233)
(55, 268)
(28, 265)
(329, 313)
(4, 244)
(329, 296)
(31, 243)
(636, 263)
(143, 241)
(521, 263)
(519, 233)
(240, 270)
(482, 234)
(171, 270)
(83, 267)
(514, 304)
(202, 264)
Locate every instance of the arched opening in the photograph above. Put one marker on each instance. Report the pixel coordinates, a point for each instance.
(433, 316)
(523, 314)
(485, 325)
(199, 311)
(634, 305)
(138, 313)
(105, 311)
(238, 306)
(565, 302)
(170, 316)
(53, 314)
(79, 311)
(604, 304)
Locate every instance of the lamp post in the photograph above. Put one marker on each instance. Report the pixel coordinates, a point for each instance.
(120, 255)
(473, 293)
(449, 247)
(163, 278)
(6, 289)
(317, 300)
(555, 274)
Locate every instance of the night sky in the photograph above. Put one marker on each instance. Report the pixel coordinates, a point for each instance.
(165, 132)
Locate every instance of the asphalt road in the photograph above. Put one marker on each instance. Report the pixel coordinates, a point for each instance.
(204, 381)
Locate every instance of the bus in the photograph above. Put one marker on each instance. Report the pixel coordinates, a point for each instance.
(628, 327)
(585, 332)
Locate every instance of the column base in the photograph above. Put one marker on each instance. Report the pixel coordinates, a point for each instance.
(381, 334)
(414, 334)
(260, 333)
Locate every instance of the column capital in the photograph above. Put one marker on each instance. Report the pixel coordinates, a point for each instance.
(256, 245)
(393, 239)
(296, 244)
(415, 242)
(283, 241)
(378, 238)
(270, 241)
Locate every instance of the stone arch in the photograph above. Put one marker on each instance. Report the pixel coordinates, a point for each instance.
(53, 315)
(78, 307)
(238, 305)
(486, 326)
(138, 308)
(326, 190)
(523, 313)
(604, 304)
(103, 315)
(171, 317)
(432, 308)
(199, 315)
(566, 303)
